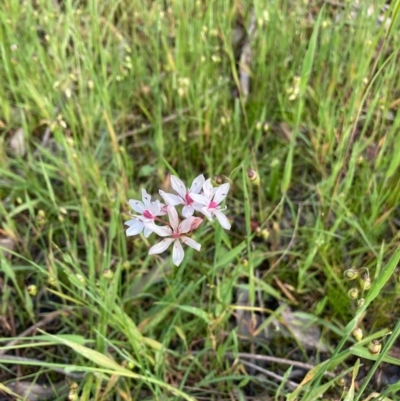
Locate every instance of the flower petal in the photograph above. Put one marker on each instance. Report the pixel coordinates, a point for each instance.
(185, 226)
(162, 231)
(177, 253)
(223, 220)
(136, 205)
(161, 246)
(200, 199)
(135, 227)
(147, 231)
(221, 192)
(196, 221)
(155, 208)
(146, 198)
(191, 242)
(197, 184)
(206, 213)
(173, 217)
(178, 186)
(171, 199)
(187, 211)
(207, 189)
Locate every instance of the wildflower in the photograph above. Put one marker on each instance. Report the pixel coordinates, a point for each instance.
(185, 195)
(176, 235)
(210, 200)
(148, 212)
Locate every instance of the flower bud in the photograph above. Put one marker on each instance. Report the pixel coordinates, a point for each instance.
(108, 274)
(351, 274)
(253, 176)
(196, 221)
(51, 280)
(81, 279)
(357, 334)
(361, 302)
(220, 179)
(353, 293)
(365, 282)
(32, 290)
(264, 233)
(73, 386)
(374, 347)
(341, 382)
(73, 396)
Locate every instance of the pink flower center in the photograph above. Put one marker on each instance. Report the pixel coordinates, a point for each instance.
(212, 205)
(176, 235)
(188, 199)
(147, 214)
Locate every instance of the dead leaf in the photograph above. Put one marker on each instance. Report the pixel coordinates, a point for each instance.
(37, 392)
(17, 142)
(8, 244)
(303, 330)
(246, 57)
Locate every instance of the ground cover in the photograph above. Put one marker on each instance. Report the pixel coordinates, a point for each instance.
(102, 99)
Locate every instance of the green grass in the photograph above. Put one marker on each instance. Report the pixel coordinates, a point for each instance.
(112, 97)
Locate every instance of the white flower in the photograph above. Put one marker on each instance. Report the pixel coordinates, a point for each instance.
(147, 210)
(175, 235)
(185, 195)
(210, 200)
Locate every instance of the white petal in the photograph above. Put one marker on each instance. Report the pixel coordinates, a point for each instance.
(222, 220)
(197, 184)
(201, 199)
(177, 253)
(191, 242)
(135, 227)
(162, 231)
(171, 199)
(206, 213)
(161, 246)
(187, 211)
(185, 226)
(173, 217)
(146, 198)
(220, 193)
(147, 231)
(155, 208)
(136, 205)
(208, 189)
(178, 186)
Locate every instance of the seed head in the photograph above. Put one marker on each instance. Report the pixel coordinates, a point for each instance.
(357, 334)
(32, 290)
(365, 282)
(351, 274)
(353, 293)
(254, 177)
(374, 347)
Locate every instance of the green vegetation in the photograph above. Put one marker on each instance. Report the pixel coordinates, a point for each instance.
(102, 98)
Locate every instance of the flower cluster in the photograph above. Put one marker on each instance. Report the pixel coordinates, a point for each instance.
(201, 197)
